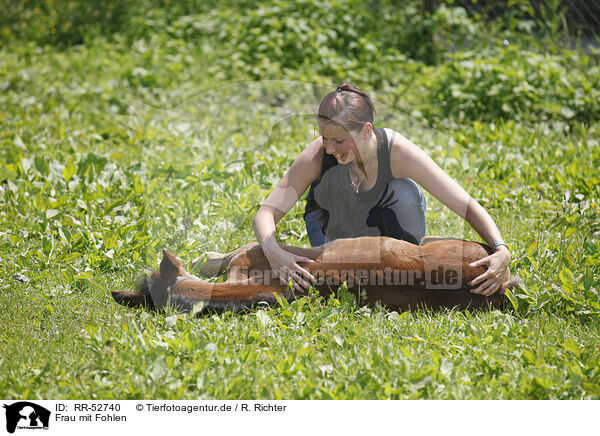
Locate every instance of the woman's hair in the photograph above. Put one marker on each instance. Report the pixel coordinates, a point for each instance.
(347, 106)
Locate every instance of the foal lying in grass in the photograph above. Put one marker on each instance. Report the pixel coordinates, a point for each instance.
(396, 274)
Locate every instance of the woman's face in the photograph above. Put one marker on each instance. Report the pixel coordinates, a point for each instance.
(339, 142)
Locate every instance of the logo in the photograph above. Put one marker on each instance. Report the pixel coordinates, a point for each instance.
(26, 415)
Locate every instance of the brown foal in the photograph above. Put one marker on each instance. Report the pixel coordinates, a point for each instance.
(377, 270)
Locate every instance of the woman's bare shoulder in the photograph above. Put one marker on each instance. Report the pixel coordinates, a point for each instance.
(315, 148)
(402, 152)
(399, 139)
(312, 153)
(307, 166)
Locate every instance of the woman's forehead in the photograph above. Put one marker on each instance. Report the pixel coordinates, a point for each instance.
(333, 130)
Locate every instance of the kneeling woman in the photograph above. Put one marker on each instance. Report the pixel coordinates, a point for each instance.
(362, 183)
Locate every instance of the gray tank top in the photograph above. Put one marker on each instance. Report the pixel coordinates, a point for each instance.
(392, 207)
(348, 211)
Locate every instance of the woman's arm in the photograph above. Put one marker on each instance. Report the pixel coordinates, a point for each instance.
(408, 160)
(305, 169)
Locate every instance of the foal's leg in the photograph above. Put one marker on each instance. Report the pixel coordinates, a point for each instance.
(212, 264)
(252, 260)
(427, 239)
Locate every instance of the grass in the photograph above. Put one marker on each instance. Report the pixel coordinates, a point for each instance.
(79, 345)
(91, 192)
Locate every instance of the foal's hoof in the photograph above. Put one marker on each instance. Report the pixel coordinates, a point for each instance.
(428, 239)
(209, 264)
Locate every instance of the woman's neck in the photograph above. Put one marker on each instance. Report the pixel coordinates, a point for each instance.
(366, 152)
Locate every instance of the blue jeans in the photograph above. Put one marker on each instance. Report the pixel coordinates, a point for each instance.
(314, 228)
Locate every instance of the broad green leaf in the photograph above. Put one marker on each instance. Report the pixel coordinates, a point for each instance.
(47, 244)
(69, 170)
(110, 240)
(18, 142)
(575, 373)
(158, 368)
(50, 213)
(264, 319)
(41, 165)
(446, 367)
(529, 356)
(197, 308)
(338, 340)
(571, 345)
(84, 275)
(138, 187)
(171, 321)
(588, 279)
(543, 382)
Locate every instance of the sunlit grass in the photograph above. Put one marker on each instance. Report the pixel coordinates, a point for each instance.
(87, 203)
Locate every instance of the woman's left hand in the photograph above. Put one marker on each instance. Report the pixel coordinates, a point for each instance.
(496, 274)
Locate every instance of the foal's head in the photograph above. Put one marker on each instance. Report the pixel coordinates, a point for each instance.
(153, 290)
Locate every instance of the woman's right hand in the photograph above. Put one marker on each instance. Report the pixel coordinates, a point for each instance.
(285, 266)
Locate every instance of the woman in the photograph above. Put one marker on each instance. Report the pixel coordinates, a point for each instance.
(362, 183)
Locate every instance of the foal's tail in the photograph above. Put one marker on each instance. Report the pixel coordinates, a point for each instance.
(514, 282)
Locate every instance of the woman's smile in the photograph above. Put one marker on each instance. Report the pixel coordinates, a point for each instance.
(341, 157)
(339, 143)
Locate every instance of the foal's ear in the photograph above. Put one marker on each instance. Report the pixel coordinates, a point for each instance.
(170, 266)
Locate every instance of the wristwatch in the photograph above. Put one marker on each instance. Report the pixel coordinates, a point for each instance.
(498, 243)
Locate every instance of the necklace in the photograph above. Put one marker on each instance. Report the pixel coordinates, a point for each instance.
(356, 185)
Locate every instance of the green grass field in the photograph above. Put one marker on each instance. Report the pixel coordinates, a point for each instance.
(114, 150)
